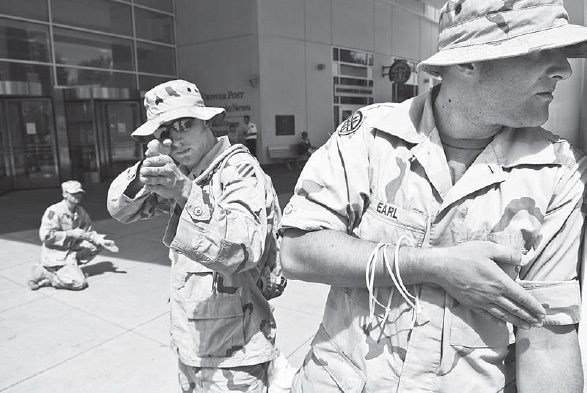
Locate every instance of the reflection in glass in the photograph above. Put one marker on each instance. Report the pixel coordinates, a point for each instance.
(92, 50)
(24, 41)
(146, 82)
(155, 59)
(351, 56)
(69, 76)
(163, 5)
(101, 15)
(30, 124)
(154, 26)
(82, 140)
(30, 9)
(122, 119)
(26, 73)
(353, 71)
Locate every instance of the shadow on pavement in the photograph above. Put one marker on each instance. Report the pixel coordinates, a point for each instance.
(100, 268)
(22, 209)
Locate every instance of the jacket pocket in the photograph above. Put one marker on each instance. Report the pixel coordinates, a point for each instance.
(344, 375)
(216, 325)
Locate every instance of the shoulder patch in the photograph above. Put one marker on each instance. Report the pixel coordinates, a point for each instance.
(351, 124)
(51, 215)
(245, 169)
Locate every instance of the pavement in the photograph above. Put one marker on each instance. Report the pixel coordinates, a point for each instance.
(114, 335)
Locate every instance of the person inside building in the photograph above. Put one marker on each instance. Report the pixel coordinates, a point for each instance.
(250, 133)
(306, 147)
(234, 135)
(68, 242)
(223, 212)
(449, 226)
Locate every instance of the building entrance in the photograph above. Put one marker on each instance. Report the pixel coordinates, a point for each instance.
(98, 132)
(28, 153)
(100, 145)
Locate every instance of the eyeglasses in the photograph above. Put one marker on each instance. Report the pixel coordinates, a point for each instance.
(179, 125)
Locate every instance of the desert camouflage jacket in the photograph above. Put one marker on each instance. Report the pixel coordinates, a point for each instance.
(217, 242)
(56, 221)
(382, 176)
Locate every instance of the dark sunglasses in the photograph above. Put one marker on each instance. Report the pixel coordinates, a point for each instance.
(164, 131)
(178, 125)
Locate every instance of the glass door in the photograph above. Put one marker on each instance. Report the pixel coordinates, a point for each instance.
(6, 180)
(81, 134)
(32, 156)
(118, 150)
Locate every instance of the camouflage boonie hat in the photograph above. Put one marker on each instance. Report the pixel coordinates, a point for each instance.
(173, 100)
(480, 30)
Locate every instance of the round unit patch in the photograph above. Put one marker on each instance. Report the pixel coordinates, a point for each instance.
(351, 124)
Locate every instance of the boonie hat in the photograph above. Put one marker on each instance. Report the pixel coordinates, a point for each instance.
(173, 100)
(480, 30)
(72, 187)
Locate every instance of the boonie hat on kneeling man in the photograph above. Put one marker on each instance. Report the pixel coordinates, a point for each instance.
(173, 100)
(480, 30)
(72, 187)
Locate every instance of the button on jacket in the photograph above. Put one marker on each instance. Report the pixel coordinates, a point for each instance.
(217, 242)
(383, 176)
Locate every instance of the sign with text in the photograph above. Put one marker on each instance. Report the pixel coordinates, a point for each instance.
(236, 105)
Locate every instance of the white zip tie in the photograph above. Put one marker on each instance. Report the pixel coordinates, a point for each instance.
(403, 290)
(396, 278)
(370, 281)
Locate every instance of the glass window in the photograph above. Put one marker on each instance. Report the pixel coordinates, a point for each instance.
(146, 82)
(353, 82)
(349, 70)
(154, 26)
(101, 15)
(31, 9)
(354, 100)
(24, 41)
(26, 73)
(163, 5)
(351, 56)
(92, 50)
(70, 76)
(402, 92)
(156, 59)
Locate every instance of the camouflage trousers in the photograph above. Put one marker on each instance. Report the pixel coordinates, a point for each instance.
(70, 275)
(251, 379)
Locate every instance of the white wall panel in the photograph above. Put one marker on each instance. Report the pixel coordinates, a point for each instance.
(352, 24)
(221, 70)
(382, 28)
(283, 18)
(319, 106)
(282, 70)
(405, 34)
(200, 21)
(318, 21)
(428, 38)
(381, 84)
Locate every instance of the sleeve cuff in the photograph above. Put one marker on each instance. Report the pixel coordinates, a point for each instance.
(561, 299)
(309, 216)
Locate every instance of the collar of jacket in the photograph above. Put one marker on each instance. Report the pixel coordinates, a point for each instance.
(413, 121)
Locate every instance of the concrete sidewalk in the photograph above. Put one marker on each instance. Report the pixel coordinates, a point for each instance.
(113, 336)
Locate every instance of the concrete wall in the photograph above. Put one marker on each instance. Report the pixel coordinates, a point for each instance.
(218, 50)
(296, 36)
(221, 45)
